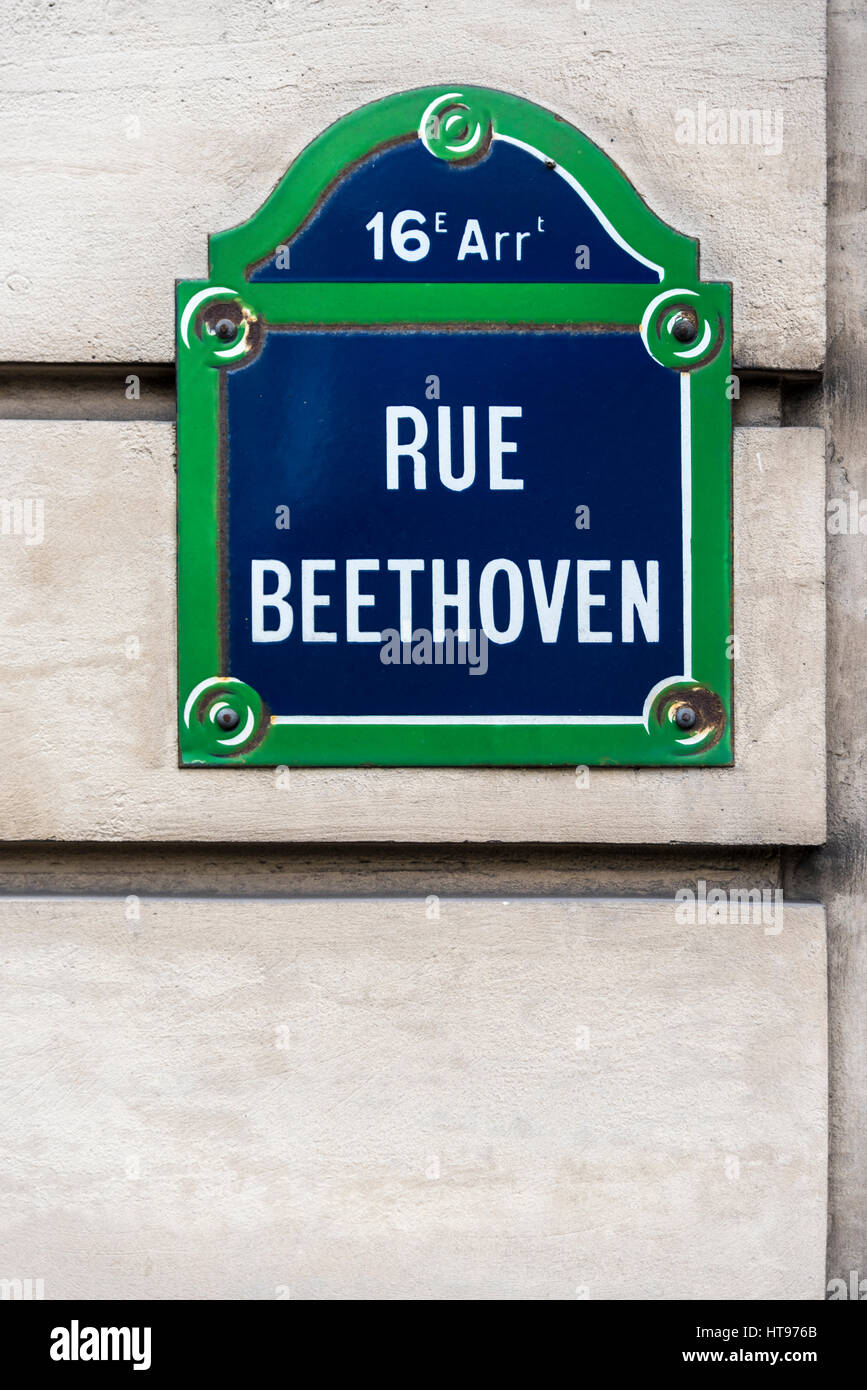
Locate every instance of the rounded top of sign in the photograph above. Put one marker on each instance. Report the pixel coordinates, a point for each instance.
(542, 195)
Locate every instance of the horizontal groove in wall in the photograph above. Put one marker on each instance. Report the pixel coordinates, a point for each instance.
(365, 871)
(84, 391)
(146, 391)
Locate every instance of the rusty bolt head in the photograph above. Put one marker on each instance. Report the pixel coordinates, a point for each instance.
(685, 717)
(225, 329)
(684, 328)
(228, 719)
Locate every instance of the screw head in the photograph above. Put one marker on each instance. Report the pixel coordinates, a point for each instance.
(684, 328)
(225, 329)
(685, 717)
(228, 719)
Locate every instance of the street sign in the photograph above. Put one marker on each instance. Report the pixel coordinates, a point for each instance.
(454, 432)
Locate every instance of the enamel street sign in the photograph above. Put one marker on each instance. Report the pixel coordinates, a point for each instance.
(454, 431)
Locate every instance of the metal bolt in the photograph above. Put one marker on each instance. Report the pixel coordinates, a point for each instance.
(684, 328)
(228, 718)
(225, 329)
(685, 717)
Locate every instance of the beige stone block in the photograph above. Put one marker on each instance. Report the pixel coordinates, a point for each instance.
(131, 134)
(88, 683)
(463, 1099)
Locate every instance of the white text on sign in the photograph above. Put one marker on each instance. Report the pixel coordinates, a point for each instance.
(502, 591)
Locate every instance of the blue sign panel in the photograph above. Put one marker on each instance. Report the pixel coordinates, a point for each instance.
(519, 491)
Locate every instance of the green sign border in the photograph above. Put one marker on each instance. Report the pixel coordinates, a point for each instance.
(455, 124)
